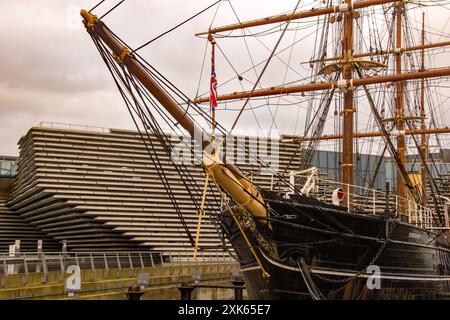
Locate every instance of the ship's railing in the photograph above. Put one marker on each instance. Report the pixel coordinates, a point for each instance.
(372, 201)
(43, 262)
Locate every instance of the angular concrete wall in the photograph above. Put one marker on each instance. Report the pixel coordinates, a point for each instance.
(100, 190)
(13, 227)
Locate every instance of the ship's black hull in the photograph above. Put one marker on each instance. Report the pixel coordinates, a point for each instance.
(323, 252)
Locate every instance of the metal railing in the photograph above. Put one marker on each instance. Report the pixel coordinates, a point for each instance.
(70, 126)
(25, 263)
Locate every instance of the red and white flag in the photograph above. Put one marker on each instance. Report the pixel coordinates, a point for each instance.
(213, 84)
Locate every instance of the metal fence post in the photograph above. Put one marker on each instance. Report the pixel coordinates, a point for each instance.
(106, 273)
(92, 266)
(172, 267)
(131, 267)
(25, 266)
(5, 272)
(76, 259)
(151, 260)
(162, 259)
(61, 266)
(44, 269)
(119, 266)
(142, 261)
(203, 258)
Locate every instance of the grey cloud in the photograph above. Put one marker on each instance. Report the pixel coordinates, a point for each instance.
(51, 71)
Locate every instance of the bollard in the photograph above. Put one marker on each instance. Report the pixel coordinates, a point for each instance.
(186, 291)
(134, 293)
(238, 289)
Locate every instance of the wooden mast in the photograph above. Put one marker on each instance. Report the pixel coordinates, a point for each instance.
(423, 143)
(347, 129)
(400, 112)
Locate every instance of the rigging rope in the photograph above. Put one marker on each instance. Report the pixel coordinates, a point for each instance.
(388, 141)
(264, 69)
(112, 9)
(149, 122)
(97, 5)
(177, 26)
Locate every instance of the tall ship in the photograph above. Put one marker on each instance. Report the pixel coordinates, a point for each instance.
(309, 236)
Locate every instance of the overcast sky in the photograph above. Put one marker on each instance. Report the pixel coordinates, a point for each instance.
(50, 70)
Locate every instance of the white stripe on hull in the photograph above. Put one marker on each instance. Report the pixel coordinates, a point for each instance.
(352, 274)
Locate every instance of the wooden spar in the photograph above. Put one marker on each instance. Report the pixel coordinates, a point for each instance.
(298, 15)
(386, 52)
(348, 112)
(400, 112)
(434, 73)
(228, 176)
(373, 134)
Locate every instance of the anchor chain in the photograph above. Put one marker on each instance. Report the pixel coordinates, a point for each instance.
(372, 262)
